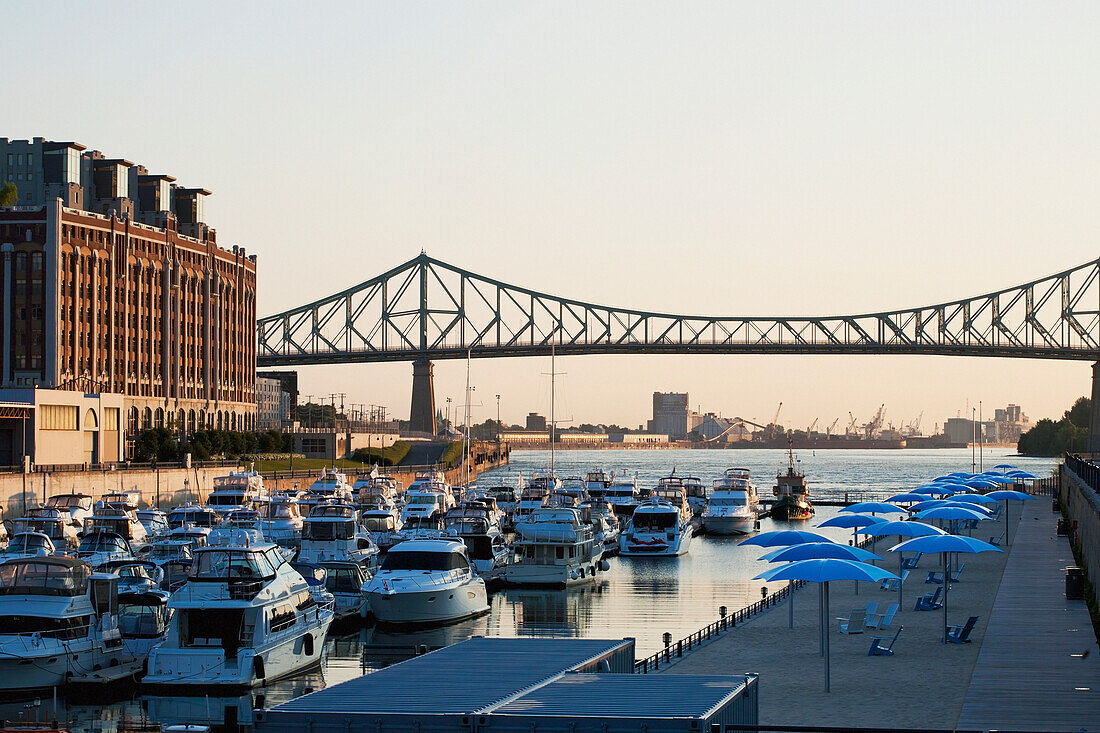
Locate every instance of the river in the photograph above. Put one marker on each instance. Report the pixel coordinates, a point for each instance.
(639, 597)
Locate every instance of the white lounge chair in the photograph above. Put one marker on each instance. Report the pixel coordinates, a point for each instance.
(884, 619)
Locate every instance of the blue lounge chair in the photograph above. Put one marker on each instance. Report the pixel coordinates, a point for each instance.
(911, 563)
(892, 583)
(997, 540)
(853, 624)
(884, 619)
(934, 577)
(877, 649)
(961, 634)
(930, 601)
(956, 573)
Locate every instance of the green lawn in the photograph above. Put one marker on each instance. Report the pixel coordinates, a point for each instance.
(302, 464)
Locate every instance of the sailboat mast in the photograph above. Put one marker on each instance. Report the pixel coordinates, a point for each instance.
(553, 375)
(466, 428)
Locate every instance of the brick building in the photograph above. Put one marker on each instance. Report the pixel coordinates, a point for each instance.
(113, 283)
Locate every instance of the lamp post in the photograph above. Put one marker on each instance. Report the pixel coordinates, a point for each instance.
(447, 419)
(498, 428)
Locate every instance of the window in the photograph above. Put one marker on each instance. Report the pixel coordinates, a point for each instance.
(110, 418)
(38, 259)
(59, 417)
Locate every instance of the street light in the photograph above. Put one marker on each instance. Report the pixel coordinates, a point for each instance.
(447, 420)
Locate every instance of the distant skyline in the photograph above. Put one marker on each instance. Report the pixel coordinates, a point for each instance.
(719, 158)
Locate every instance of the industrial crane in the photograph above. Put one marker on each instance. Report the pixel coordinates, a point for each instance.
(813, 425)
(832, 427)
(851, 423)
(872, 428)
(775, 422)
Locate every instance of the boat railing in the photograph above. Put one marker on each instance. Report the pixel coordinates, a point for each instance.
(33, 640)
(427, 578)
(289, 627)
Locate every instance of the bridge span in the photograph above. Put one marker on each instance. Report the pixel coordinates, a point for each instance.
(426, 309)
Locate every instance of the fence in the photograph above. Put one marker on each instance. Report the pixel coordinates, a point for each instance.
(1079, 499)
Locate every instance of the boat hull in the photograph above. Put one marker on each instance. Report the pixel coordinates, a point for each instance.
(729, 525)
(434, 606)
(550, 576)
(789, 509)
(52, 663)
(647, 545)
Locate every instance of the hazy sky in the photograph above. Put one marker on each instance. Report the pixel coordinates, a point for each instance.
(725, 158)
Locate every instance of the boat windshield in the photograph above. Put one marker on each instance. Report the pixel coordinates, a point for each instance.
(226, 499)
(171, 551)
(728, 500)
(141, 620)
(333, 510)
(197, 517)
(503, 494)
(70, 501)
(51, 527)
(620, 490)
(654, 521)
(277, 510)
(419, 560)
(378, 524)
(98, 542)
(28, 544)
(423, 499)
(431, 522)
(43, 579)
(231, 565)
(133, 572)
(328, 530)
(342, 579)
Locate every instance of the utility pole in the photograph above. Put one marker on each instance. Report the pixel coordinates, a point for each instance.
(973, 439)
(498, 429)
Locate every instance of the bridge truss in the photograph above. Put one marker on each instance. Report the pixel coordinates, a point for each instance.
(428, 309)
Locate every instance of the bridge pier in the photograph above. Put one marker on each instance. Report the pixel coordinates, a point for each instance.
(422, 412)
(1093, 445)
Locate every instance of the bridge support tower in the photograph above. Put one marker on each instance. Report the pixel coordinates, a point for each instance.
(1093, 445)
(422, 413)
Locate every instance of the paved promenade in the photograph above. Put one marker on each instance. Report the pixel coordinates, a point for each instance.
(926, 683)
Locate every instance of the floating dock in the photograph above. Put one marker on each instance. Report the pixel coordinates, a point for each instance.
(500, 684)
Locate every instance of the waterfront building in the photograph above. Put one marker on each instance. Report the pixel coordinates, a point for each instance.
(514, 435)
(637, 438)
(535, 421)
(672, 416)
(273, 405)
(113, 283)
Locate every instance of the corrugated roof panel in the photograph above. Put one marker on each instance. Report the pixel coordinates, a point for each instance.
(463, 678)
(626, 696)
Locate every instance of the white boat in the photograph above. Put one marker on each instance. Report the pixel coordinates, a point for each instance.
(426, 499)
(169, 549)
(280, 520)
(377, 491)
(332, 532)
(125, 499)
(660, 527)
(193, 514)
(245, 617)
(426, 582)
(571, 491)
(531, 499)
(696, 492)
(605, 525)
(121, 520)
(57, 524)
(342, 580)
(99, 546)
(734, 506)
(60, 620)
(596, 483)
(155, 522)
(28, 544)
(79, 505)
(555, 547)
(331, 485)
(381, 525)
(622, 495)
(479, 529)
(506, 494)
(237, 490)
(143, 616)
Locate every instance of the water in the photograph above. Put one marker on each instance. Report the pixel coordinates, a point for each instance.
(639, 597)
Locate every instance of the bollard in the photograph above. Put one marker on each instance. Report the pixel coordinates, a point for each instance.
(680, 648)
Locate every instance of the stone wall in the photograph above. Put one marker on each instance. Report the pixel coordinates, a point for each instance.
(1082, 507)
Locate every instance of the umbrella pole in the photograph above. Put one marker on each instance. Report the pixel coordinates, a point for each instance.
(946, 588)
(901, 563)
(821, 618)
(790, 604)
(1008, 527)
(826, 635)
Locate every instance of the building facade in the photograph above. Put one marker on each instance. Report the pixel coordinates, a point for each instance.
(671, 415)
(114, 284)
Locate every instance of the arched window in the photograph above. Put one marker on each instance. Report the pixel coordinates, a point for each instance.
(190, 422)
(181, 421)
(202, 420)
(90, 420)
(158, 418)
(146, 419)
(233, 420)
(132, 420)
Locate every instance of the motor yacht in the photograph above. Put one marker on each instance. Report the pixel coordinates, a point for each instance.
(426, 499)
(733, 507)
(99, 546)
(237, 490)
(28, 544)
(57, 524)
(194, 534)
(426, 581)
(193, 514)
(79, 506)
(332, 532)
(419, 528)
(381, 526)
(544, 480)
(143, 617)
(605, 524)
(281, 520)
(792, 495)
(342, 580)
(120, 519)
(134, 575)
(531, 499)
(696, 492)
(571, 491)
(479, 529)
(596, 483)
(169, 549)
(555, 547)
(377, 491)
(331, 485)
(659, 527)
(245, 617)
(622, 495)
(507, 499)
(155, 522)
(125, 499)
(58, 620)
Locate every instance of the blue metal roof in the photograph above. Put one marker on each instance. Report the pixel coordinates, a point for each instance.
(463, 678)
(647, 696)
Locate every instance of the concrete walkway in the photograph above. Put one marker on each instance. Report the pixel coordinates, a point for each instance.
(1030, 672)
(925, 684)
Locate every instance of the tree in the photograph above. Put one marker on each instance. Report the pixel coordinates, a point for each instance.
(1079, 413)
(9, 194)
(1049, 438)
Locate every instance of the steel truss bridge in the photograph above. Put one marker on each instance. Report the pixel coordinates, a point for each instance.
(426, 309)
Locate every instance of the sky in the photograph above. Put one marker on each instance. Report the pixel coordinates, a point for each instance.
(706, 157)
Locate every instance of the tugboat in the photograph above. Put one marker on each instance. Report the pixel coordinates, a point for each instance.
(792, 496)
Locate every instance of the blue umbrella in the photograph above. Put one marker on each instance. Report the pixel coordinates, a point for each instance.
(982, 483)
(974, 499)
(934, 490)
(957, 501)
(784, 537)
(906, 498)
(1021, 474)
(930, 504)
(1002, 479)
(952, 513)
(944, 544)
(822, 571)
(902, 529)
(948, 477)
(960, 474)
(1004, 466)
(819, 551)
(872, 506)
(1007, 495)
(851, 520)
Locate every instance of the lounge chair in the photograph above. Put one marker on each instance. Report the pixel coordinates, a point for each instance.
(884, 619)
(956, 573)
(911, 563)
(997, 540)
(877, 649)
(892, 583)
(871, 609)
(961, 634)
(930, 601)
(934, 577)
(854, 623)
